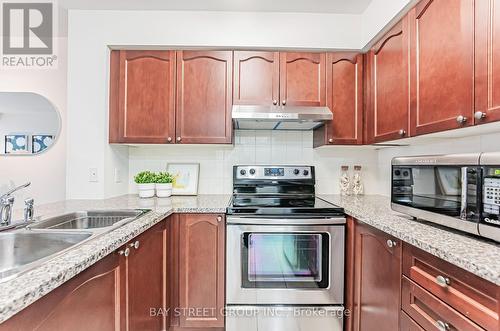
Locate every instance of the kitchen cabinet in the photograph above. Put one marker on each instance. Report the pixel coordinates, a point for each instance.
(89, 301)
(143, 279)
(302, 79)
(487, 53)
(388, 89)
(344, 97)
(442, 65)
(204, 97)
(374, 264)
(142, 99)
(256, 78)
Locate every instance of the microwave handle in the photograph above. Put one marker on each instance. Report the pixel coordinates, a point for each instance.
(463, 197)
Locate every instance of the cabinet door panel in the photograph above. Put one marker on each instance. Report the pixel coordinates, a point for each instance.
(442, 65)
(377, 280)
(487, 83)
(201, 269)
(94, 293)
(302, 79)
(144, 282)
(142, 96)
(388, 102)
(344, 86)
(204, 97)
(256, 78)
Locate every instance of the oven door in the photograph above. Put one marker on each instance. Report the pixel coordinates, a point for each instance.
(285, 261)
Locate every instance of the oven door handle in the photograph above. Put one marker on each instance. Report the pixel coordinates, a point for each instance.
(285, 221)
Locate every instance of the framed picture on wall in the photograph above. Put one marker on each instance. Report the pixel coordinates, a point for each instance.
(186, 176)
(40, 142)
(16, 144)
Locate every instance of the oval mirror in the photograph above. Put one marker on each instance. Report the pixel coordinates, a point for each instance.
(29, 123)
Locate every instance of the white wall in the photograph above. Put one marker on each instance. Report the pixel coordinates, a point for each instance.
(258, 147)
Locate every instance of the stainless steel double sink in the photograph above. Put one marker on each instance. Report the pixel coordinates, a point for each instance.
(29, 247)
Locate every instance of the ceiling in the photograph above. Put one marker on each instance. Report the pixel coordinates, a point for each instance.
(304, 6)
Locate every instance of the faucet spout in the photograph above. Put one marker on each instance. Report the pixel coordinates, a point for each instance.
(15, 189)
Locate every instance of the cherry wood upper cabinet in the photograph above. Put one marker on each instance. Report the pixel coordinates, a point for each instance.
(89, 301)
(487, 88)
(256, 78)
(344, 92)
(388, 106)
(302, 79)
(204, 97)
(201, 269)
(442, 65)
(376, 279)
(143, 281)
(142, 102)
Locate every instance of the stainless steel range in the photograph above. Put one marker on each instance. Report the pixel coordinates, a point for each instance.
(285, 252)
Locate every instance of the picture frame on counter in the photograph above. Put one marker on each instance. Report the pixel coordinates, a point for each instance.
(16, 144)
(40, 142)
(186, 178)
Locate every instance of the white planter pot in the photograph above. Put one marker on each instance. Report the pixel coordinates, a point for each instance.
(163, 190)
(146, 190)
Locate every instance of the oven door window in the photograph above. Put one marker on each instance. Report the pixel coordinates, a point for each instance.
(285, 260)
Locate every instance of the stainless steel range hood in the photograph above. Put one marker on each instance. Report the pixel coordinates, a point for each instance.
(280, 118)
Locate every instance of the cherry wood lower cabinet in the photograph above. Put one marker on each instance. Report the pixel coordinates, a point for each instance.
(197, 265)
(344, 91)
(373, 279)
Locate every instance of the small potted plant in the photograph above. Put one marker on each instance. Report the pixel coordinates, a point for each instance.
(163, 182)
(145, 181)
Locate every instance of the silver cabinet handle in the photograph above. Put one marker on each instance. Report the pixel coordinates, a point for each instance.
(402, 132)
(442, 281)
(135, 244)
(330, 141)
(169, 139)
(283, 102)
(461, 119)
(442, 326)
(391, 243)
(179, 139)
(479, 115)
(125, 252)
(219, 219)
(275, 102)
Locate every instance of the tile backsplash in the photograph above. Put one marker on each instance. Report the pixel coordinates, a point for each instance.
(258, 147)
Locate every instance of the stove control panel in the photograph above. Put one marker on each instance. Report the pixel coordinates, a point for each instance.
(273, 172)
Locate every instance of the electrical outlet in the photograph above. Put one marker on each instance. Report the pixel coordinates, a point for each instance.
(118, 176)
(93, 178)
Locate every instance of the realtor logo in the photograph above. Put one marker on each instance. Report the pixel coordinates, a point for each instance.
(28, 34)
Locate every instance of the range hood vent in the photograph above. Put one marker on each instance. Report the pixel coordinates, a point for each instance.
(280, 118)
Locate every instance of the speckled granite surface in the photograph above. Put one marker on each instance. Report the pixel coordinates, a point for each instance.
(20, 292)
(477, 256)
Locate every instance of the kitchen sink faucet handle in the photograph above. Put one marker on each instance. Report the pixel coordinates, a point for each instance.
(6, 204)
(29, 210)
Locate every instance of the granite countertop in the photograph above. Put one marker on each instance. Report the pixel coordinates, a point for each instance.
(21, 291)
(480, 257)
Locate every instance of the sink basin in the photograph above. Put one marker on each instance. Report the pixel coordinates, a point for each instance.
(87, 220)
(19, 251)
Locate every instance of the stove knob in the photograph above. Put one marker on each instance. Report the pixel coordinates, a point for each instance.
(243, 172)
(252, 171)
(296, 171)
(306, 172)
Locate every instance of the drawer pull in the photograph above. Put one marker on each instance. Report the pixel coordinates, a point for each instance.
(442, 326)
(442, 281)
(391, 243)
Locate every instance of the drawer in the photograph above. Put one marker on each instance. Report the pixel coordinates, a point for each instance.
(430, 312)
(468, 294)
(407, 324)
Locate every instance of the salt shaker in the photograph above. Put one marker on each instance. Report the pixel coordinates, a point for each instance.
(357, 183)
(345, 185)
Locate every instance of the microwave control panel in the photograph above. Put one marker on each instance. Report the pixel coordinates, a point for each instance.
(491, 199)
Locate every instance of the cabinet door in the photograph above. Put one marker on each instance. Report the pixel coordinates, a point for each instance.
(144, 281)
(442, 65)
(344, 91)
(487, 83)
(142, 97)
(256, 78)
(302, 79)
(204, 97)
(388, 104)
(201, 270)
(89, 301)
(377, 280)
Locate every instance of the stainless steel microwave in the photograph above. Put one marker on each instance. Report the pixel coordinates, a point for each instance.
(461, 191)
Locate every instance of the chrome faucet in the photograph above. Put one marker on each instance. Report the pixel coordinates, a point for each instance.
(7, 203)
